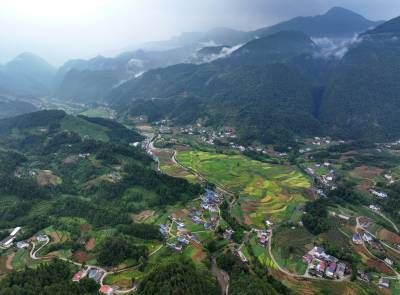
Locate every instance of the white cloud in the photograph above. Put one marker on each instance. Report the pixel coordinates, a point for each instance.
(328, 47)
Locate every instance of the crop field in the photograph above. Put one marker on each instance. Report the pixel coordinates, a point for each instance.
(289, 246)
(266, 190)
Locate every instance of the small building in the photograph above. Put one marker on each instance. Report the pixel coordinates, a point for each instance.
(340, 270)
(367, 237)
(78, 276)
(15, 231)
(330, 271)
(7, 242)
(321, 267)
(241, 256)
(381, 195)
(105, 289)
(307, 258)
(183, 240)
(92, 273)
(22, 244)
(388, 261)
(357, 239)
(383, 283)
(268, 223)
(42, 238)
(374, 208)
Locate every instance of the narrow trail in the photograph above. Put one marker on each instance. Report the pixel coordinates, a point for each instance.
(222, 276)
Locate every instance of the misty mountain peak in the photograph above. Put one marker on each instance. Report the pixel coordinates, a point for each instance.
(340, 12)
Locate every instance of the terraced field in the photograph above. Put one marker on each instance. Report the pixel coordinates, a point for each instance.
(266, 190)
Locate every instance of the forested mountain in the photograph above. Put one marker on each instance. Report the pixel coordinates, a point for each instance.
(362, 97)
(282, 85)
(267, 82)
(26, 74)
(91, 80)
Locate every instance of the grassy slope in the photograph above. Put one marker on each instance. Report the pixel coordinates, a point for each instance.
(84, 128)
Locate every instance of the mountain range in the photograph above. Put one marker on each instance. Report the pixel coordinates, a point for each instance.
(282, 85)
(331, 74)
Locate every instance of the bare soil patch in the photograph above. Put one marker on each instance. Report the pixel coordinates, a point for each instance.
(84, 228)
(90, 244)
(71, 160)
(367, 172)
(10, 258)
(389, 236)
(46, 178)
(55, 237)
(81, 256)
(142, 216)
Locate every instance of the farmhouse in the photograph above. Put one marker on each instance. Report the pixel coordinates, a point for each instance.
(383, 283)
(374, 208)
(357, 239)
(78, 276)
(367, 237)
(241, 256)
(7, 242)
(42, 238)
(22, 244)
(381, 195)
(105, 289)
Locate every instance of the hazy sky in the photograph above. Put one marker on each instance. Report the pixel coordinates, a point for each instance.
(62, 29)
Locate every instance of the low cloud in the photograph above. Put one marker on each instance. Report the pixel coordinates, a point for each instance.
(225, 52)
(334, 48)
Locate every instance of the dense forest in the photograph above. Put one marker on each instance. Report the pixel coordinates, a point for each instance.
(179, 277)
(47, 279)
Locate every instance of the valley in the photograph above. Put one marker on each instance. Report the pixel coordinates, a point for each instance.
(221, 161)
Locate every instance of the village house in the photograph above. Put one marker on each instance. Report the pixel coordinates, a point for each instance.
(374, 208)
(228, 234)
(383, 283)
(79, 275)
(367, 237)
(22, 245)
(8, 241)
(380, 195)
(42, 238)
(105, 289)
(357, 239)
(241, 256)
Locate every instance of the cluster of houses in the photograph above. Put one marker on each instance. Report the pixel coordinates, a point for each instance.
(318, 141)
(321, 264)
(211, 201)
(94, 274)
(327, 179)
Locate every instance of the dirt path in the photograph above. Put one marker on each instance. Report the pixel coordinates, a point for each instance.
(10, 258)
(222, 276)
